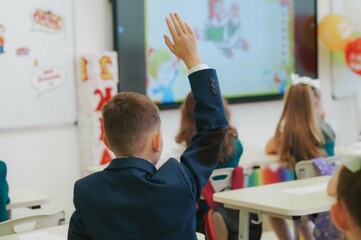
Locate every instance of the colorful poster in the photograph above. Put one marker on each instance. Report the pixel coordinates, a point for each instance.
(97, 80)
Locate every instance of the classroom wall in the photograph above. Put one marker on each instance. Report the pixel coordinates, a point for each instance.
(46, 159)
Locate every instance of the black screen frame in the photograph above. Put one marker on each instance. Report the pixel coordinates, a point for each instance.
(134, 55)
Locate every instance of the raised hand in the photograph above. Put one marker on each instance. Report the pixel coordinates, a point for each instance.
(184, 45)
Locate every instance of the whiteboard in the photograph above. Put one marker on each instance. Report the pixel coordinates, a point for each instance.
(345, 83)
(37, 82)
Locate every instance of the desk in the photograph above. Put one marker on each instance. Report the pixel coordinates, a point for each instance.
(289, 200)
(61, 231)
(25, 198)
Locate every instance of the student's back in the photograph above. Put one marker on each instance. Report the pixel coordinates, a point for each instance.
(301, 134)
(130, 199)
(232, 149)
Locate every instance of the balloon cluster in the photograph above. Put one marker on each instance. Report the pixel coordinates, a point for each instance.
(337, 33)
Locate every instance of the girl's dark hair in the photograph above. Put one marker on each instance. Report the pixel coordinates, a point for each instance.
(188, 129)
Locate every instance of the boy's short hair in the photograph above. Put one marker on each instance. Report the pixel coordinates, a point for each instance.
(349, 192)
(128, 118)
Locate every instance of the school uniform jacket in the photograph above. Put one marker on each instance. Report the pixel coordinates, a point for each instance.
(130, 199)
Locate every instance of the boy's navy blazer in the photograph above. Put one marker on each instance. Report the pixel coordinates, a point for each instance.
(131, 199)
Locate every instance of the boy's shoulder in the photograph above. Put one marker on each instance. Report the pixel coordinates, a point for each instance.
(89, 179)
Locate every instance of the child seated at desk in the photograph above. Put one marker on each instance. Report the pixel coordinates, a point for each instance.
(345, 184)
(4, 192)
(301, 134)
(131, 199)
(232, 149)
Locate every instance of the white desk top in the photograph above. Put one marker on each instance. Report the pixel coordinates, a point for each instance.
(293, 198)
(58, 231)
(25, 198)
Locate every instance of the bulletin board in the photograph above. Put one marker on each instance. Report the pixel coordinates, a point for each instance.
(37, 85)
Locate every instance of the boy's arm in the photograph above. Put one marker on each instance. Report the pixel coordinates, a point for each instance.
(203, 153)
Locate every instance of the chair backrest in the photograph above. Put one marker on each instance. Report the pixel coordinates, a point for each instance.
(221, 179)
(307, 169)
(200, 236)
(33, 222)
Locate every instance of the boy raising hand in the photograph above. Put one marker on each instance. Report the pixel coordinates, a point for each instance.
(131, 199)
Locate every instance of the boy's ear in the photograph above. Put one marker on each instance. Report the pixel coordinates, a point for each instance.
(157, 142)
(105, 141)
(339, 215)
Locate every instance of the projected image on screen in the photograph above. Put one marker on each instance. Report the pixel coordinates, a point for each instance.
(248, 42)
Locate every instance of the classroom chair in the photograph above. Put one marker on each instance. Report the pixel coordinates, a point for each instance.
(324, 228)
(33, 222)
(200, 236)
(222, 179)
(308, 168)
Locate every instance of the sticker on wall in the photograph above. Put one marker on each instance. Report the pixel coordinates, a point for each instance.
(47, 21)
(22, 51)
(2, 38)
(47, 79)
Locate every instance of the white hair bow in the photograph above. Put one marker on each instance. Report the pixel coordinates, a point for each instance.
(352, 159)
(296, 79)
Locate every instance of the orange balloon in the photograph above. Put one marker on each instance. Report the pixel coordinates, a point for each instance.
(334, 32)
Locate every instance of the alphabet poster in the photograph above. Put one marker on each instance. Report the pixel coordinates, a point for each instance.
(97, 80)
(37, 82)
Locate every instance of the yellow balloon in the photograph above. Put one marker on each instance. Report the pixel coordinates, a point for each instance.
(334, 32)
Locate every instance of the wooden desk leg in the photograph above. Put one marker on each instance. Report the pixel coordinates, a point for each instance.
(243, 229)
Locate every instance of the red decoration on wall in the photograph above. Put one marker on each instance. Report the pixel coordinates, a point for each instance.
(106, 158)
(104, 97)
(101, 129)
(353, 55)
